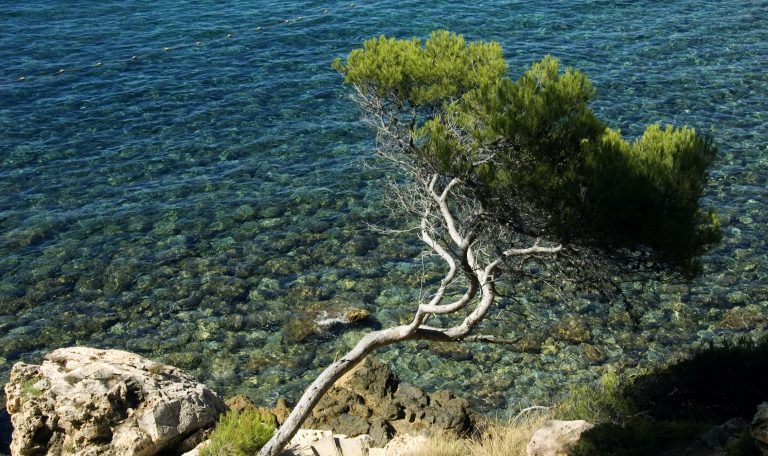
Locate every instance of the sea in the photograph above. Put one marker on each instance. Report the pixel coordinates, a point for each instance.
(189, 180)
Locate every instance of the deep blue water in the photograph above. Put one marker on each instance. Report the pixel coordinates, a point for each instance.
(184, 179)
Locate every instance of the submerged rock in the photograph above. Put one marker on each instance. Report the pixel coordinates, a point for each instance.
(573, 330)
(85, 401)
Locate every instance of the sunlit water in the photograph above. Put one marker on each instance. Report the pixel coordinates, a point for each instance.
(184, 179)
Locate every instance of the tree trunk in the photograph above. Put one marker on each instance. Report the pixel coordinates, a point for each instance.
(326, 379)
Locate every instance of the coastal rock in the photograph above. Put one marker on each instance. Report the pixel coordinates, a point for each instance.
(721, 436)
(85, 401)
(406, 444)
(241, 403)
(313, 442)
(759, 428)
(556, 438)
(370, 399)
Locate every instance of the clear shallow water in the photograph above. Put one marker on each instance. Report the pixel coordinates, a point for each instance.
(190, 187)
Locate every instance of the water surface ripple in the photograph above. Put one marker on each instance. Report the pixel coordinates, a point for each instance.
(184, 179)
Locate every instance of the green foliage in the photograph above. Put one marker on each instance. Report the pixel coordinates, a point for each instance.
(743, 445)
(407, 72)
(533, 150)
(671, 406)
(649, 190)
(240, 434)
(640, 438)
(620, 429)
(601, 403)
(714, 384)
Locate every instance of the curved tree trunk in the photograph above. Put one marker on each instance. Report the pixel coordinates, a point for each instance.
(480, 280)
(325, 380)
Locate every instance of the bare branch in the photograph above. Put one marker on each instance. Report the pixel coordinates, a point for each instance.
(452, 224)
(529, 409)
(535, 248)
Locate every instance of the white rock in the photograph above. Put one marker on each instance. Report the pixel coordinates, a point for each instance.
(301, 443)
(405, 444)
(312, 442)
(84, 401)
(326, 446)
(355, 446)
(556, 438)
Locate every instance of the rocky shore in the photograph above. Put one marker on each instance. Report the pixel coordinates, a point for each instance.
(85, 401)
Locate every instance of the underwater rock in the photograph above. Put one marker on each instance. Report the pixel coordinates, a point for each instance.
(452, 351)
(298, 330)
(354, 316)
(573, 330)
(87, 401)
(529, 343)
(244, 213)
(326, 321)
(592, 354)
(744, 318)
(224, 368)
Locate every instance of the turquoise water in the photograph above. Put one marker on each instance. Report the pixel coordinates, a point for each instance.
(185, 180)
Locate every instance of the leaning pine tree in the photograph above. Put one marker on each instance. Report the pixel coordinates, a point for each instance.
(502, 174)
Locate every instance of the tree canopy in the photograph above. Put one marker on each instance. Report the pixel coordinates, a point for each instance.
(531, 150)
(495, 166)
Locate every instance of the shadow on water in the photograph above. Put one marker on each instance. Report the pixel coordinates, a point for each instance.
(5, 432)
(671, 407)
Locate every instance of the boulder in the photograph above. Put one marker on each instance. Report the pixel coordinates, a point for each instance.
(241, 403)
(721, 436)
(313, 442)
(759, 428)
(370, 399)
(556, 438)
(405, 444)
(84, 401)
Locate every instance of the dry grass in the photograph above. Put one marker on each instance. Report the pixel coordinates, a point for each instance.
(499, 439)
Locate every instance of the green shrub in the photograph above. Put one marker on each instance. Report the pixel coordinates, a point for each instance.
(641, 437)
(713, 384)
(743, 445)
(532, 150)
(240, 434)
(604, 402)
(668, 407)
